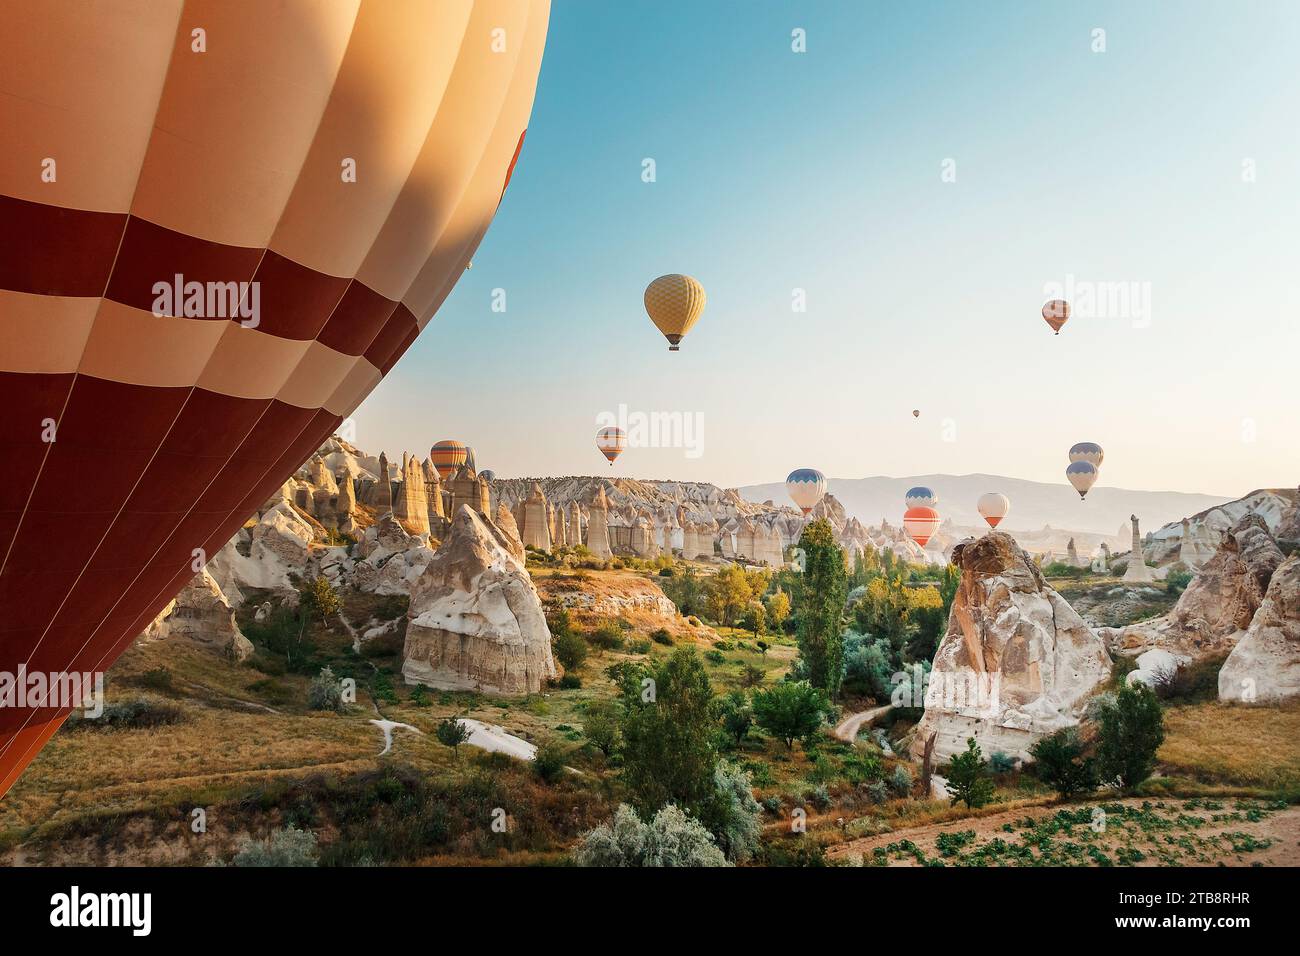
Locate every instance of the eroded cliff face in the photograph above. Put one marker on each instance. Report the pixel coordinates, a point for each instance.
(1264, 667)
(475, 620)
(1017, 662)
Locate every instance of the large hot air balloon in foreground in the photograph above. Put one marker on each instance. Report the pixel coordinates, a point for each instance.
(1056, 312)
(611, 441)
(1083, 475)
(448, 457)
(1088, 451)
(920, 496)
(207, 261)
(674, 304)
(994, 507)
(920, 523)
(806, 487)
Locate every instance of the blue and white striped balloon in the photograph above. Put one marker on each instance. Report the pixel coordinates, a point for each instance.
(921, 497)
(806, 486)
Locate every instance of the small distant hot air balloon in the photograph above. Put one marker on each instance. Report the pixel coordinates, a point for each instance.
(1088, 451)
(920, 497)
(611, 441)
(447, 456)
(487, 474)
(674, 303)
(994, 507)
(806, 486)
(1056, 312)
(1083, 475)
(921, 523)
(916, 413)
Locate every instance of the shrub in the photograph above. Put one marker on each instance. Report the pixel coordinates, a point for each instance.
(600, 725)
(671, 838)
(714, 657)
(1001, 763)
(819, 797)
(968, 779)
(640, 646)
(734, 713)
(570, 650)
(452, 733)
(160, 678)
(287, 847)
(661, 636)
(570, 681)
(549, 762)
(1131, 730)
(1061, 764)
(791, 711)
(900, 781)
(732, 816)
(607, 637)
(878, 791)
(1177, 580)
(138, 713)
(419, 696)
(325, 692)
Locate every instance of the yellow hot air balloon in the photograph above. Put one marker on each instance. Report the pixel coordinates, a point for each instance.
(674, 303)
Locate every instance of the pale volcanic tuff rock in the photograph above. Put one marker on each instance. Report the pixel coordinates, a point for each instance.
(201, 615)
(1220, 601)
(387, 559)
(1017, 662)
(506, 525)
(1264, 667)
(475, 620)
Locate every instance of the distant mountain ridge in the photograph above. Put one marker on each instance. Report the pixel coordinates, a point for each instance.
(1033, 503)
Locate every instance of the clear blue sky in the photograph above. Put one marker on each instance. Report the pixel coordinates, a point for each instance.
(821, 170)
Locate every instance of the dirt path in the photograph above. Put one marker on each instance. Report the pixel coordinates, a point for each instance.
(849, 728)
(1281, 827)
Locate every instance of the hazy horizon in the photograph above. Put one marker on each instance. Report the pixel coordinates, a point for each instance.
(1161, 192)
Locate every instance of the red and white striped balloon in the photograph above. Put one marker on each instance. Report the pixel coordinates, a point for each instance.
(994, 507)
(921, 523)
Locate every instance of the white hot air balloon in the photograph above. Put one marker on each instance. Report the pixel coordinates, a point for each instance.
(1088, 451)
(1083, 475)
(994, 507)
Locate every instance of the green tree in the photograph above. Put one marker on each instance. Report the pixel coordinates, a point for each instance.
(668, 740)
(791, 710)
(1061, 763)
(735, 715)
(325, 692)
(321, 597)
(778, 608)
(570, 650)
(968, 778)
(821, 606)
(452, 733)
(754, 619)
(884, 611)
(1131, 730)
(600, 725)
(729, 593)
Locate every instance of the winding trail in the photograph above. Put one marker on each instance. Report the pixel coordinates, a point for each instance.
(848, 729)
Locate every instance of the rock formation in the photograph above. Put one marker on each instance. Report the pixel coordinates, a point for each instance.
(383, 500)
(346, 505)
(536, 532)
(433, 492)
(475, 621)
(510, 531)
(1264, 667)
(411, 504)
(1072, 555)
(1194, 548)
(1017, 662)
(1101, 560)
(201, 614)
(598, 526)
(575, 524)
(1258, 549)
(1137, 571)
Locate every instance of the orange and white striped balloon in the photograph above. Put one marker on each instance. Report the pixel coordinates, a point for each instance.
(611, 441)
(921, 523)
